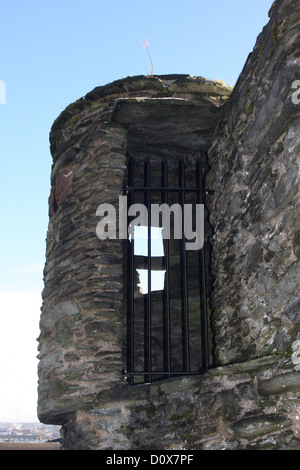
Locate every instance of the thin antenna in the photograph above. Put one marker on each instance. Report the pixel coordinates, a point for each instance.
(145, 44)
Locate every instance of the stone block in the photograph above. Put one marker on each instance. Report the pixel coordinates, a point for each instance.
(253, 427)
(280, 384)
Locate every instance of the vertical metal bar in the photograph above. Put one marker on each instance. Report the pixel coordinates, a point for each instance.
(203, 295)
(184, 277)
(166, 302)
(148, 352)
(130, 286)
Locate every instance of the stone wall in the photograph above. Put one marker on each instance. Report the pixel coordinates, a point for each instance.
(249, 406)
(255, 211)
(250, 399)
(83, 319)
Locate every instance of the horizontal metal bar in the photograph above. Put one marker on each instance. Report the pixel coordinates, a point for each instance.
(162, 188)
(128, 374)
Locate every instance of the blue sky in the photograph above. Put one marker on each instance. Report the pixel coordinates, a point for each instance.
(52, 53)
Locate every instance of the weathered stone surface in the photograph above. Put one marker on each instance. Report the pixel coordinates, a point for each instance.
(226, 404)
(252, 400)
(253, 427)
(171, 121)
(280, 384)
(83, 298)
(222, 410)
(254, 172)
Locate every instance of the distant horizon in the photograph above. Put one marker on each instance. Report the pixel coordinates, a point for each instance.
(28, 422)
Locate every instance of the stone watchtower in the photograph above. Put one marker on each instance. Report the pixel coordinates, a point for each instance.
(249, 148)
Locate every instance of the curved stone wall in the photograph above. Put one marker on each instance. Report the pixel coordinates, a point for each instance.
(251, 401)
(83, 309)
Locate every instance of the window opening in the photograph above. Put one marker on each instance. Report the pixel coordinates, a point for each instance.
(157, 280)
(141, 241)
(167, 330)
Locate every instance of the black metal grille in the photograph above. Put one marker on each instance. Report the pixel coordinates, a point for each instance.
(152, 351)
